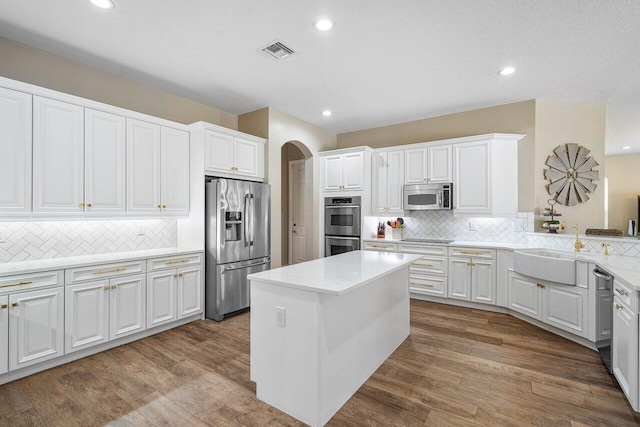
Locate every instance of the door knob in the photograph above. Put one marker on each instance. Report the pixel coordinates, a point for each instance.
(294, 231)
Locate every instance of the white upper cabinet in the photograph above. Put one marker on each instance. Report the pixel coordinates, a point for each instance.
(105, 174)
(15, 152)
(230, 153)
(143, 166)
(157, 168)
(486, 176)
(428, 165)
(387, 182)
(58, 157)
(345, 170)
(174, 170)
(472, 179)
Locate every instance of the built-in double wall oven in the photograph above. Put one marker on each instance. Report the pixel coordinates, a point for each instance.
(342, 224)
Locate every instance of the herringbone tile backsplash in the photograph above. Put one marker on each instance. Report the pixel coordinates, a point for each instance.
(444, 225)
(20, 241)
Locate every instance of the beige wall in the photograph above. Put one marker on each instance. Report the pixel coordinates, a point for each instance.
(282, 129)
(558, 123)
(518, 117)
(29, 65)
(624, 188)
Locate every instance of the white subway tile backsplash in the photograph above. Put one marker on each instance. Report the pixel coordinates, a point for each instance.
(55, 239)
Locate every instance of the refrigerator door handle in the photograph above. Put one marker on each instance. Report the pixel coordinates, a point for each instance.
(246, 220)
(223, 269)
(253, 220)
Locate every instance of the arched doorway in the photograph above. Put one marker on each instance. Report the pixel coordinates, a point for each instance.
(297, 202)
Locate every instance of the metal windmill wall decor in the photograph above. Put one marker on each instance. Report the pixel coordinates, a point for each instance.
(571, 174)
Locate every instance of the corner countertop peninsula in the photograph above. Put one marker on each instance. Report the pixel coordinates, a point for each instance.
(320, 329)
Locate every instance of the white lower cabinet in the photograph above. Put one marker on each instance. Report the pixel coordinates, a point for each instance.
(100, 311)
(173, 294)
(472, 280)
(625, 350)
(562, 306)
(36, 327)
(127, 306)
(4, 334)
(86, 315)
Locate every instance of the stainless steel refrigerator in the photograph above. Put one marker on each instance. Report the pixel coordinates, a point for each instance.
(238, 242)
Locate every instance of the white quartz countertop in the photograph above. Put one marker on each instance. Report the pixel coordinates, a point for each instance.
(338, 274)
(491, 245)
(23, 267)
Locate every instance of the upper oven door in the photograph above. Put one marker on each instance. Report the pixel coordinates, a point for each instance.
(422, 197)
(342, 221)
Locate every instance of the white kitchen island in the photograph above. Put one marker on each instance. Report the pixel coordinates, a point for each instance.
(320, 329)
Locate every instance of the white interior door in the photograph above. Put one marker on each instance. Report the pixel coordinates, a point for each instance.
(297, 220)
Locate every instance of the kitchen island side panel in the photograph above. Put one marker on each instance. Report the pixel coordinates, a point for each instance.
(330, 346)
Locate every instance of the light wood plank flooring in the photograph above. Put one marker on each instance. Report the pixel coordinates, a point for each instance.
(459, 367)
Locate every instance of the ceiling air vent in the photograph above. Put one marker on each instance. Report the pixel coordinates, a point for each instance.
(278, 50)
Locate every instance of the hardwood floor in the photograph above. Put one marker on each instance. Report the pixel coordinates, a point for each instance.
(459, 367)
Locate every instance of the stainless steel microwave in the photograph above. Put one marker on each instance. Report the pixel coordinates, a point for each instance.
(422, 197)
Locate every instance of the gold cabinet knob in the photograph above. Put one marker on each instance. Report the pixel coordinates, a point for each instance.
(15, 304)
(89, 205)
(82, 205)
(3, 306)
(164, 206)
(159, 206)
(106, 288)
(180, 275)
(175, 275)
(114, 286)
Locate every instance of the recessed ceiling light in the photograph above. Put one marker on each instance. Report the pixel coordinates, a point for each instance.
(103, 4)
(326, 113)
(324, 24)
(626, 147)
(507, 71)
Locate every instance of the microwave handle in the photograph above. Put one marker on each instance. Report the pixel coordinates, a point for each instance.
(439, 194)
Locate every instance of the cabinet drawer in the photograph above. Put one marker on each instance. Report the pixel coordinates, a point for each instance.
(428, 285)
(429, 265)
(423, 249)
(472, 253)
(625, 294)
(173, 262)
(104, 271)
(23, 282)
(380, 246)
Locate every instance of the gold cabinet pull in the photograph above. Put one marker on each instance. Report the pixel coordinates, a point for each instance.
(3, 306)
(180, 261)
(114, 286)
(15, 304)
(175, 275)
(16, 284)
(468, 264)
(473, 264)
(622, 292)
(541, 286)
(114, 270)
(180, 275)
(619, 307)
(471, 252)
(106, 288)
(422, 284)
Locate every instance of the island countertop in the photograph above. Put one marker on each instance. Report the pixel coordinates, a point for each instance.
(338, 274)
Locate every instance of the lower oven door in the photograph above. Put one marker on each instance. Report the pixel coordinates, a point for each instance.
(340, 245)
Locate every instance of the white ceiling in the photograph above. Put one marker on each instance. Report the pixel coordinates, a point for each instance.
(385, 62)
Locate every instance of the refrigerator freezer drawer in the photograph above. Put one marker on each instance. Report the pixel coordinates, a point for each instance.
(232, 287)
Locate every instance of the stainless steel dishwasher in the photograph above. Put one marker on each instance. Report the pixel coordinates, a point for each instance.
(604, 315)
